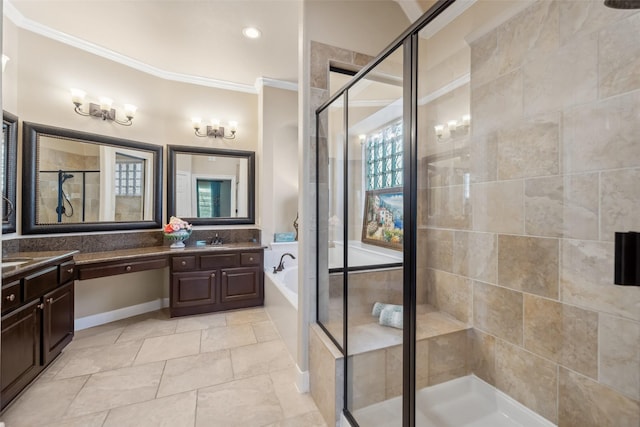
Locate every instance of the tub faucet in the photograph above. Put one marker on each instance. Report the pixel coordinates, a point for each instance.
(280, 266)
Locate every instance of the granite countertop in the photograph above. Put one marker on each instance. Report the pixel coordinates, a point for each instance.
(123, 254)
(30, 261)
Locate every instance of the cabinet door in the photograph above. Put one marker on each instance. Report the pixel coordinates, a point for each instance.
(193, 289)
(58, 322)
(20, 356)
(240, 284)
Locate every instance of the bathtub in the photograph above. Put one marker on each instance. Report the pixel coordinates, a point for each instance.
(361, 254)
(287, 283)
(281, 293)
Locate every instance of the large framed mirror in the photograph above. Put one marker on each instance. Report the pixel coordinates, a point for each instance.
(8, 171)
(208, 186)
(75, 181)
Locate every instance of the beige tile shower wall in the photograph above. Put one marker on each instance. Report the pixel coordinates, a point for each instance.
(554, 163)
(53, 160)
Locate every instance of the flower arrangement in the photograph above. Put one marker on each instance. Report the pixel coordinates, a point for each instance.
(178, 231)
(176, 224)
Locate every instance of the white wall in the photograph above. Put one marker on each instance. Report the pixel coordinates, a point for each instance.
(279, 155)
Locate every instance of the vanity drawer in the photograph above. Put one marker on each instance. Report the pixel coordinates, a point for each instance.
(40, 283)
(219, 260)
(11, 297)
(183, 263)
(112, 269)
(251, 258)
(67, 271)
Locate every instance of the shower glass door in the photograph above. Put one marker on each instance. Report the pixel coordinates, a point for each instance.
(331, 224)
(375, 159)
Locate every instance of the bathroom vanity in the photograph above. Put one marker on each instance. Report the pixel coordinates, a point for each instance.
(37, 316)
(206, 282)
(202, 279)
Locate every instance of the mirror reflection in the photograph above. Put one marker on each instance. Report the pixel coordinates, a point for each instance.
(210, 186)
(8, 167)
(88, 181)
(84, 182)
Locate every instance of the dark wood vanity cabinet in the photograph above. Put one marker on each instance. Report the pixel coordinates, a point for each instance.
(202, 283)
(37, 323)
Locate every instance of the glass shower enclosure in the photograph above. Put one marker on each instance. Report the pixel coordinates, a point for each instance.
(470, 181)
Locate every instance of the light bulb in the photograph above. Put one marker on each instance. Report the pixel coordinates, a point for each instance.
(130, 110)
(251, 32)
(105, 103)
(466, 120)
(452, 124)
(233, 126)
(439, 130)
(196, 122)
(215, 124)
(77, 96)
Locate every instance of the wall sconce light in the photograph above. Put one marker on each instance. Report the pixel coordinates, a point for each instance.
(214, 129)
(454, 127)
(5, 59)
(439, 130)
(102, 110)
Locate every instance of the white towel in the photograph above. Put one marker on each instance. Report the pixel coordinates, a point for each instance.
(378, 307)
(390, 316)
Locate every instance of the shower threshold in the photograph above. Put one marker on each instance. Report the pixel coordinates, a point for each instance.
(464, 402)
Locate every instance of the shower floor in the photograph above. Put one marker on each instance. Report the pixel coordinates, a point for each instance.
(464, 402)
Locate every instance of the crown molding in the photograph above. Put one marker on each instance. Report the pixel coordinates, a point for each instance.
(21, 21)
(278, 84)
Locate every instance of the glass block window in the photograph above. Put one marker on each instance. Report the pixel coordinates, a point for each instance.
(383, 158)
(129, 175)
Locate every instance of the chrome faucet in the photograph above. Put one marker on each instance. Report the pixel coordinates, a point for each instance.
(217, 241)
(280, 266)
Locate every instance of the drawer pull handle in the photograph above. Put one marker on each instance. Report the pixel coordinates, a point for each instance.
(250, 258)
(11, 297)
(224, 273)
(50, 300)
(128, 268)
(40, 306)
(183, 263)
(70, 271)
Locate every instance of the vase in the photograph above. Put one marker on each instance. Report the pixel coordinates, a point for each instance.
(178, 238)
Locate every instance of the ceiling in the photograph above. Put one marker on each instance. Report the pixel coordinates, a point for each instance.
(203, 38)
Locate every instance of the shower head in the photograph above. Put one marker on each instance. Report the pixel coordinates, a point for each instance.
(66, 176)
(622, 4)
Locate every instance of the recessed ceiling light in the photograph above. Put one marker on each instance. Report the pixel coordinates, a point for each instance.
(251, 32)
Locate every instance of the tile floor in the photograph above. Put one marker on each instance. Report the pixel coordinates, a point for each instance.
(225, 369)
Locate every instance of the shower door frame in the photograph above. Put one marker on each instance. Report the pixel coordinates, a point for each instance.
(408, 41)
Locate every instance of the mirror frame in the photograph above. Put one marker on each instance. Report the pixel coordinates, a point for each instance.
(31, 131)
(174, 150)
(11, 168)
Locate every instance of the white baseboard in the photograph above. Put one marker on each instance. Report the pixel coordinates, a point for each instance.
(121, 313)
(302, 380)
